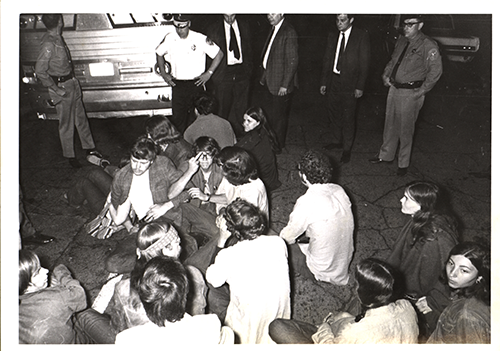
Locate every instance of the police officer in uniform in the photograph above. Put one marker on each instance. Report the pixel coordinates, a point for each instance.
(54, 69)
(186, 51)
(414, 69)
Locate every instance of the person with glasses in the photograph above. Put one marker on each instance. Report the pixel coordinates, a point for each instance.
(414, 69)
(186, 52)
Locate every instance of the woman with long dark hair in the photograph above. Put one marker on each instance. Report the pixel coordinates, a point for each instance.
(458, 309)
(260, 141)
(422, 248)
(385, 316)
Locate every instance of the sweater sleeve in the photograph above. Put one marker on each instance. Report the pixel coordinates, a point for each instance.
(72, 292)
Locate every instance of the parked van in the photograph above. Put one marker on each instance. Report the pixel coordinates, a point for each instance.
(114, 59)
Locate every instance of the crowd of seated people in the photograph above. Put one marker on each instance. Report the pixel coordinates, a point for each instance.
(202, 259)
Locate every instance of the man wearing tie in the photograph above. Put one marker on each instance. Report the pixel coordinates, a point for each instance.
(414, 69)
(345, 68)
(280, 62)
(232, 77)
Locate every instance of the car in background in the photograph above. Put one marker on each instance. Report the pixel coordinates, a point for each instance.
(114, 60)
(455, 46)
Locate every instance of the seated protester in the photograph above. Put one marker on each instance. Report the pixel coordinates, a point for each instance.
(260, 141)
(168, 139)
(386, 317)
(240, 181)
(467, 317)
(163, 289)
(46, 310)
(208, 124)
(93, 189)
(255, 266)
(198, 215)
(125, 309)
(323, 214)
(149, 185)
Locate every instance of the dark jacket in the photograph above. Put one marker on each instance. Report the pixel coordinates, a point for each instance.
(355, 60)
(217, 34)
(283, 61)
(257, 143)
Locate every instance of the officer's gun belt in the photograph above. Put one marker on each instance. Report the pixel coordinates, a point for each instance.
(408, 85)
(62, 79)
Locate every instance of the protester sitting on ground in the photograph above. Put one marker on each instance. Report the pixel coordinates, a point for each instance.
(168, 139)
(209, 124)
(119, 298)
(255, 267)
(421, 250)
(198, 215)
(163, 289)
(92, 190)
(385, 318)
(462, 300)
(240, 181)
(149, 185)
(260, 141)
(46, 309)
(324, 216)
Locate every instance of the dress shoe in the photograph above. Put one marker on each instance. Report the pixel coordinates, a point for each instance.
(402, 171)
(333, 146)
(377, 160)
(74, 162)
(346, 157)
(38, 239)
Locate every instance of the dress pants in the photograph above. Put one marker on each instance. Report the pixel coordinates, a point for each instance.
(400, 116)
(277, 109)
(341, 108)
(232, 94)
(183, 94)
(71, 114)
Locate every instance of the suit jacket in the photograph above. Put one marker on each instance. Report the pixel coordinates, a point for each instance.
(355, 60)
(217, 33)
(283, 60)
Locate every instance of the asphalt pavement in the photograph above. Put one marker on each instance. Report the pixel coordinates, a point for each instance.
(452, 148)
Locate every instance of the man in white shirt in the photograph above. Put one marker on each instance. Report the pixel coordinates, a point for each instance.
(323, 214)
(185, 51)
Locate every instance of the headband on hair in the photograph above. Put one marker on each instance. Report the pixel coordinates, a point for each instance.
(169, 236)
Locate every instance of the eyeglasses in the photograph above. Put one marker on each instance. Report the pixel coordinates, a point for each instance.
(410, 24)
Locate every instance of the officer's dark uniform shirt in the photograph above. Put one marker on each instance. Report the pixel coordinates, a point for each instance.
(53, 59)
(422, 61)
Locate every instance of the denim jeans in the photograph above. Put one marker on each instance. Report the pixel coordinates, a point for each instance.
(287, 331)
(93, 327)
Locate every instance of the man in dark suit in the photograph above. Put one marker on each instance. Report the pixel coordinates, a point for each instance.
(231, 79)
(345, 68)
(280, 62)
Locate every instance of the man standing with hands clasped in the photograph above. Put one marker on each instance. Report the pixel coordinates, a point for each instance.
(345, 68)
(414, 69)
(280, 62)
(186, 51)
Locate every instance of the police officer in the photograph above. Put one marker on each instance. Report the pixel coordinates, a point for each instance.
(55, 70)
(186, 51)
(414, 69)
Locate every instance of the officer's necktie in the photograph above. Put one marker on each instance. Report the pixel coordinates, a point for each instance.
(233, 44)
(396, 66)
(341, 51)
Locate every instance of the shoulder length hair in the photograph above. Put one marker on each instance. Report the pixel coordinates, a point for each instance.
(237, 164)
(29, 263)
(480, 257)
(379, 284)
(432, 211)
(258, 114)
(162, 131)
